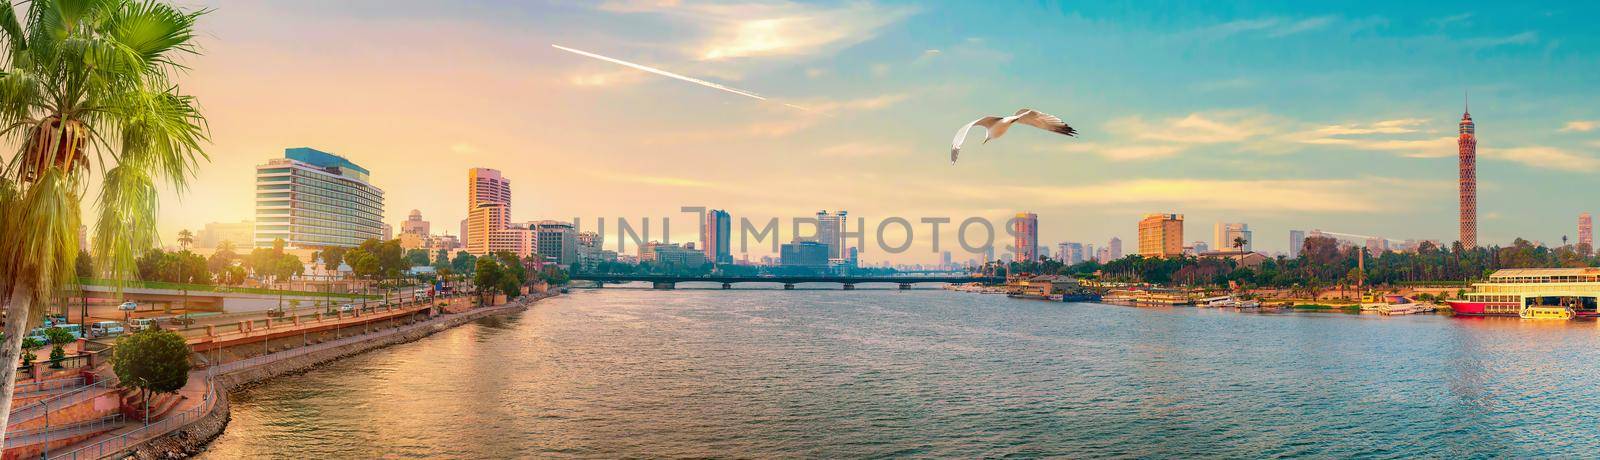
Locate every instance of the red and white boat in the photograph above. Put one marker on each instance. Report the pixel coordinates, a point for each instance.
(1511, 291)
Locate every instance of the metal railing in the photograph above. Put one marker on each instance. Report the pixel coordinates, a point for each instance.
(37, 408)
(120, 442)
(47, 385)
(49, 433)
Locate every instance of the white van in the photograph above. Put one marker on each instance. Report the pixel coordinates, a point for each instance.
(141, 324)
(106, 328)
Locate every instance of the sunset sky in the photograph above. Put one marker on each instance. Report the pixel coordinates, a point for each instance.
(1307, 115)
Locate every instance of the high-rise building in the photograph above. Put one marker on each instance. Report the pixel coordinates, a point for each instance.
(1467, 145)
(946, 260)
(555, 240)
(830, 231)
(241, 234)
(485, 187)
(1027, 233)
(1226, 233)
(1585, 232)
(1071, 253)
(1115, 246)
(311, 198)
(1297, 241)
(481, 222)
(414, 224)
(715, 237)
(1161, 235)
(803, 254)
(388, 232)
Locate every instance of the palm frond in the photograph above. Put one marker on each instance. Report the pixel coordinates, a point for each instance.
(40, 246)
(127, 220)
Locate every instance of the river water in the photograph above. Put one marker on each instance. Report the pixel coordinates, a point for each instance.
(881, 373)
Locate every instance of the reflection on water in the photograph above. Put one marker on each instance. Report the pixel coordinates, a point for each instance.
(640, 373)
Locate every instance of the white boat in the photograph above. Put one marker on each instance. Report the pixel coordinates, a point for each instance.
(1248, 304)
(1398, 309)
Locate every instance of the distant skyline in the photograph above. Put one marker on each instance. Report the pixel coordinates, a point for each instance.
(1284, 116)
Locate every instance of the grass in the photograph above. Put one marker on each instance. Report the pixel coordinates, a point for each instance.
(219, 289)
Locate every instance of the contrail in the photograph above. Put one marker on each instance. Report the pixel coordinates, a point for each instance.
(680, 77)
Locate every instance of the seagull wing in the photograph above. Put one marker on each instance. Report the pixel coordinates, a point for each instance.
(1044, 121)
(961, 134)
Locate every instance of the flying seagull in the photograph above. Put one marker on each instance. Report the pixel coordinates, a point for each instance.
(997, 126)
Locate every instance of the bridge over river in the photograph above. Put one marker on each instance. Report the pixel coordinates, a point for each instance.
(849, 282)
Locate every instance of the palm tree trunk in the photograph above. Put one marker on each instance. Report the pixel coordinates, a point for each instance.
(11, 348)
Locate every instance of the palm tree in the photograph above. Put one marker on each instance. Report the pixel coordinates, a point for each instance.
(185, 238)
(82, 79)
(1238, 244)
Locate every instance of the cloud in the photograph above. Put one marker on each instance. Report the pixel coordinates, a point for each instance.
(662, 181)
(853, 105)
(1454, 19)
(606, 79)
(1271, 27)
(1581, 126)
(1524, 38)
(1133, 152)
(463, 148)
(1397, 126)
(1327, 195)
(1196, 128)
(771, 28)
(1544, 158)
(863, 149)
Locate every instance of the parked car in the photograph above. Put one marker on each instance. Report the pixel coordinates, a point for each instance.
(347, 308)
(106, 328)
(128, 306)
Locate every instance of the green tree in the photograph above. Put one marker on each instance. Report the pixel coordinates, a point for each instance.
(152, 360)
(58, 337)
(418, 257)
(185, 239)
(331, 257)
(464, 262)
(222, 258)
(30, 345)
(487, 275)
(85, 264)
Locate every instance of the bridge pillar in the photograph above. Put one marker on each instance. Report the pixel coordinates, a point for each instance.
(905, 286)
(727, 285)
(788, 286)
(849, 287)
(663, 285)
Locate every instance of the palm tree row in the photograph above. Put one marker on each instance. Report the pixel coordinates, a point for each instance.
(87, 88)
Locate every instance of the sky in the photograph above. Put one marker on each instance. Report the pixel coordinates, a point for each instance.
(1283, 115)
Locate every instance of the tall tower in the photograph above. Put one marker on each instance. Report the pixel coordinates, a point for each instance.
(1585, 233)
(1027, 233)
(1468, 150)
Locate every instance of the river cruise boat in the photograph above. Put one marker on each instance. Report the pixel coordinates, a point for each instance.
(1511, 292)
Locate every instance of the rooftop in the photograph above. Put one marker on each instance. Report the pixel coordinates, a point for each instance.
(1537, 272)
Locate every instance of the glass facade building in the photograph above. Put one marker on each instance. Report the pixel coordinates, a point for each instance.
(310, 198)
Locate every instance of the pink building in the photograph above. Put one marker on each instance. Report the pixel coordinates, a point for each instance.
(1027, 231)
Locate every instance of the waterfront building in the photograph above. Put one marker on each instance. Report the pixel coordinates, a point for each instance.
(1115, 246)
(1585, 233)
(1467, 150)
(482, 221)
(1027, 236)
(830, 232)
(716, 235)
(414, 224)
(803, 254)
(674, 254)
(1510, 292)
(485, 187)
(555, 240)
(516, 239)
(1161, 235)
(310, 198)
(1226, 233)
(1297, 241)
(241, 234)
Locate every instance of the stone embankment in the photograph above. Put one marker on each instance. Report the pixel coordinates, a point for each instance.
(191, 439)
